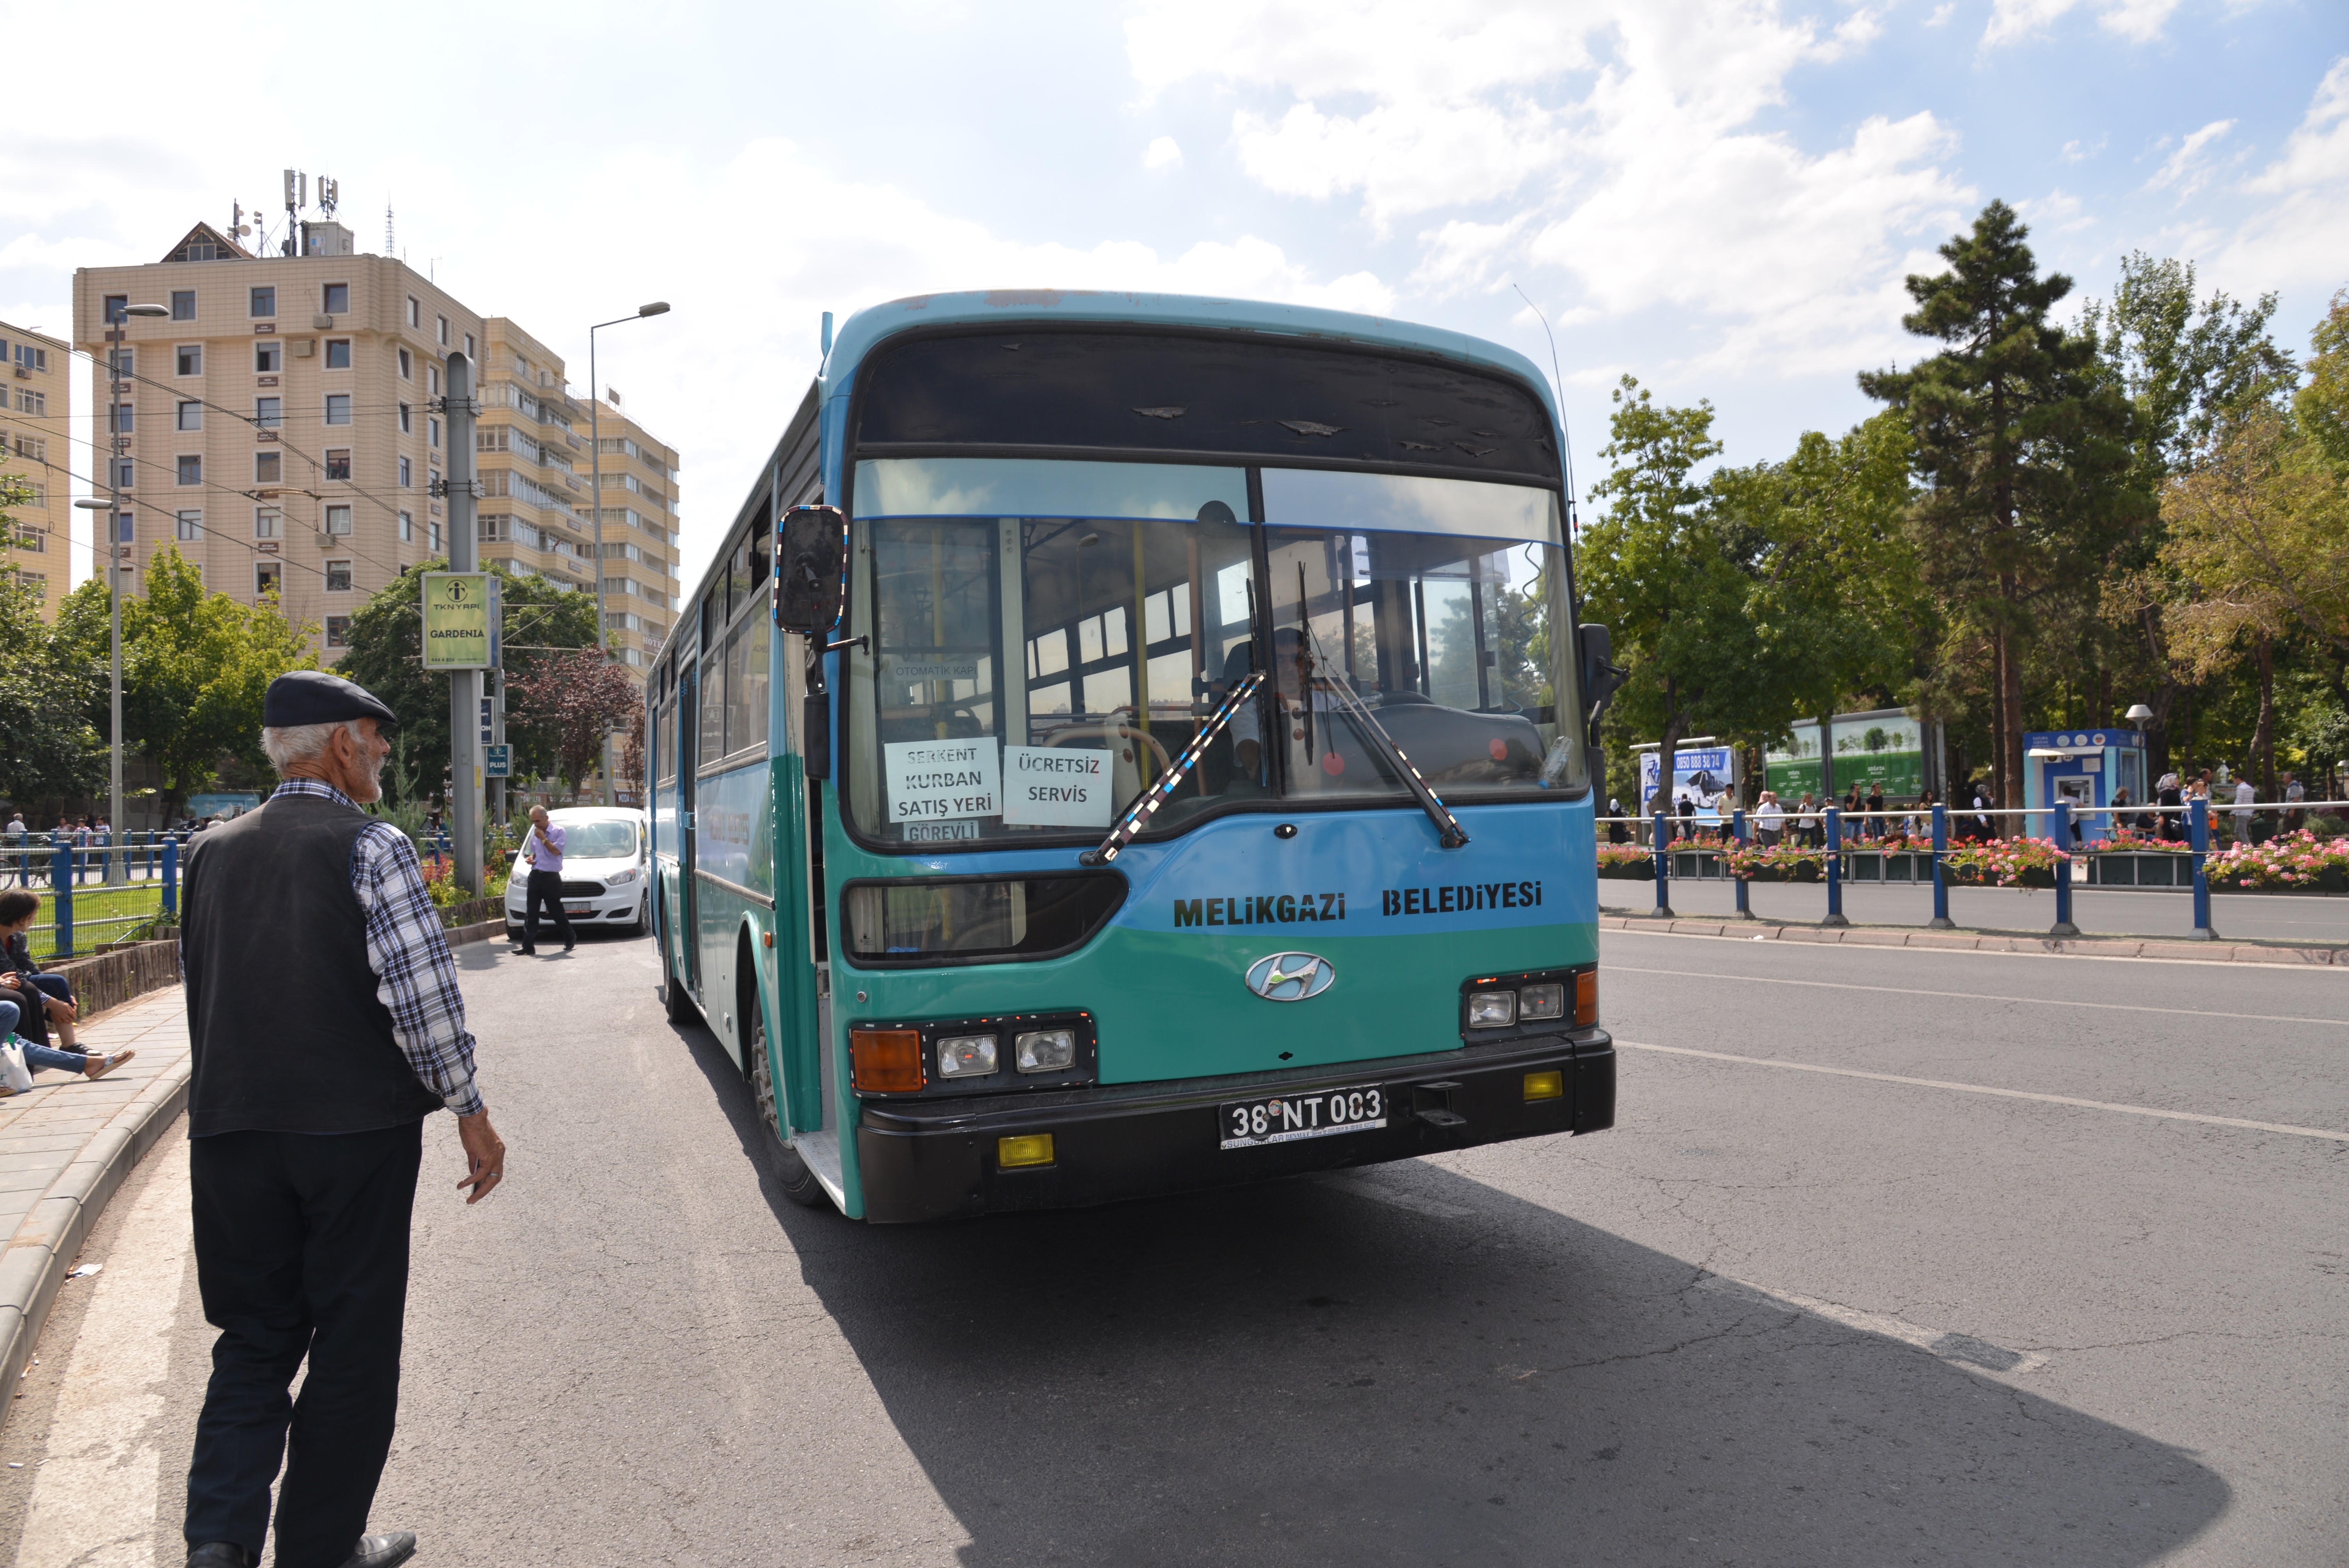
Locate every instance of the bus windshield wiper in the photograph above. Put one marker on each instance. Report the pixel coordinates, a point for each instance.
(1448, 830)
(1147, 803)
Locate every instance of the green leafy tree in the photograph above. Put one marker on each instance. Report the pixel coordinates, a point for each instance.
(195, 667)
(2188, 371)
(2021, 445)
(383, 653)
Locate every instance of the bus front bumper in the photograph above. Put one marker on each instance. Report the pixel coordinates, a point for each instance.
(935, 1160)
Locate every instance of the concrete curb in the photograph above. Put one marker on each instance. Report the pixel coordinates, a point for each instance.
(1989, 941)
(459, 935)
(43, 1248)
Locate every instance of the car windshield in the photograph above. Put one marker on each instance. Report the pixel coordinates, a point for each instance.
(598, 840)
(1047, 636)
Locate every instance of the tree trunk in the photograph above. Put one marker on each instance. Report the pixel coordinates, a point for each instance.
(2010, 784)
(2264, 737)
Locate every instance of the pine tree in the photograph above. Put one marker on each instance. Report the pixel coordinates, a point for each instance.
(2022, 446)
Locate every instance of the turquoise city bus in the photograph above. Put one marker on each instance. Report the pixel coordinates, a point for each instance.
(1130, 744)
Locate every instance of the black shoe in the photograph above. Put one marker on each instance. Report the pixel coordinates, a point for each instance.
(568, 945)
(220, 1555)
(382, 1550)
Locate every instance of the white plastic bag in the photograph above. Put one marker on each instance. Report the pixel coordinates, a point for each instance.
(13, 1071)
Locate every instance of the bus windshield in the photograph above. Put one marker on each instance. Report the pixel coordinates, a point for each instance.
(1047, 636)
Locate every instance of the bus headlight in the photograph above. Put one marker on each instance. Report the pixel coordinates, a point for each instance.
(1542, 1002)
(966, 1056)
(1492, 1009)
(1045, 1050)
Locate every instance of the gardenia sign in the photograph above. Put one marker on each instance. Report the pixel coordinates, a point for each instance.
(464, 620)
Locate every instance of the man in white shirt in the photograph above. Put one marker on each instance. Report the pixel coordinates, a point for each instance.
(2244, 796)
(544, 850)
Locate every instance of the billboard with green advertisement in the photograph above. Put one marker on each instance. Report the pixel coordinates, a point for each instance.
(1794, 772)
(1883, 748)
(461, 620)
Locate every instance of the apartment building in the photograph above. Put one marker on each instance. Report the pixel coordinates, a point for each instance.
(280, 425)
(36, 454)
(643, 567)
(531, 452)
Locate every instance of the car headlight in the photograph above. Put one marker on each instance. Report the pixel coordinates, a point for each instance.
(1045, 1050)
(617, 878)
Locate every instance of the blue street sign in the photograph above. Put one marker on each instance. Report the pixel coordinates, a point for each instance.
(497, 761)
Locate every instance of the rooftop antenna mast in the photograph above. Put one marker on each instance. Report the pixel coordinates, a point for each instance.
(390, 240)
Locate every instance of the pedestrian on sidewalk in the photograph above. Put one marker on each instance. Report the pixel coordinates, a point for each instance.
(18, 909)
(16, 845)
(1769, 820)
(2244, 796)
(542, 848)
(1617, 832)
(325, 1024)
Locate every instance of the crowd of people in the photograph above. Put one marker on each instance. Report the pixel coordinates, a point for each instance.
(2236, 815)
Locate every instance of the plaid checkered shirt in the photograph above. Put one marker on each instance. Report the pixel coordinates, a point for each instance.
(415, 976)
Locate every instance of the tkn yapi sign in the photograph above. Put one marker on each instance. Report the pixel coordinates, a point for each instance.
(463, 621)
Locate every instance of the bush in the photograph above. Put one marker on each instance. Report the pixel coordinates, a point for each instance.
(2006, 862)
(2299, 860)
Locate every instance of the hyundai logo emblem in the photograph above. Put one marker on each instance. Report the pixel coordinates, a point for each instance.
(1291, 977)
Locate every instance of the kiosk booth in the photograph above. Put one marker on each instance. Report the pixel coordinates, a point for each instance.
(2084, 768)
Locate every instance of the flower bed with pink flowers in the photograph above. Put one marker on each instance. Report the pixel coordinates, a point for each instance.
(2005, 862)
(2290, 861)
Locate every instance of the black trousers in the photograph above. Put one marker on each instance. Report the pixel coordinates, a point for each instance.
(546, 890)
(301, 1250)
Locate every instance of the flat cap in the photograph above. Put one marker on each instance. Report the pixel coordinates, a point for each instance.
(313, 696)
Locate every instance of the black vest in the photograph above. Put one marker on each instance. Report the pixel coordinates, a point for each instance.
(286, 1032)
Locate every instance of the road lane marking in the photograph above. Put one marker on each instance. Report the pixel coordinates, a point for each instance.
(95, 1501)
(1948, 1347)
(1979, 997)
(1986, 1088)
(1975, 952)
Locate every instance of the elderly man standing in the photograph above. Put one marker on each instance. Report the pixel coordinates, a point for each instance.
(326, 1024)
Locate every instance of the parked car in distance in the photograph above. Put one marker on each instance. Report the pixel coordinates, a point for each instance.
(603, 869)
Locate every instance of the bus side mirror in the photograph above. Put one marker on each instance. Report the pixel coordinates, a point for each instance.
(810, 559)
(1601, 679)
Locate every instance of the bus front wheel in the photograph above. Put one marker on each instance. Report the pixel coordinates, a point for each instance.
(681, 1006)
(799, 1183)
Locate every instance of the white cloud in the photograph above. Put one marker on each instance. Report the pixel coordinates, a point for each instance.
(2186, 168)
(2058, 212)
(1162, 153)
(1942, 13)
(1613, 141)
(2302, 236)
(2139, 21)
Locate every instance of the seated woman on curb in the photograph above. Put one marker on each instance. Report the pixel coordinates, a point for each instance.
(30, 999)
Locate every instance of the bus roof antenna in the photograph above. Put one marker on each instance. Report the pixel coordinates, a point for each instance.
(1558, 385)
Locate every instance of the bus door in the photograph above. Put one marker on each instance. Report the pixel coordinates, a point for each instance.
(688, 933)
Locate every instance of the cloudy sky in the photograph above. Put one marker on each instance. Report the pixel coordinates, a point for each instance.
(1720, 198)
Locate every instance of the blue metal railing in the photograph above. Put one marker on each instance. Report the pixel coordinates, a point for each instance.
(1700, 845)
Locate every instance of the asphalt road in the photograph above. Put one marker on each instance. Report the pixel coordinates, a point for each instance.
(1864, 1316)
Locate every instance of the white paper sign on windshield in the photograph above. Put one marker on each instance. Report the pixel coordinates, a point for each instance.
(1055, 787)
(942, 780)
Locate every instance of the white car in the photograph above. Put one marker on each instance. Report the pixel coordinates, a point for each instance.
(604, 872)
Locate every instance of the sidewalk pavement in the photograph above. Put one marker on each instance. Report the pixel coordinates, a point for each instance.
(67, 1143)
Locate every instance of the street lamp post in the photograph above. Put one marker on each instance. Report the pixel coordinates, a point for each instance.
(595, 483)
(113, 508)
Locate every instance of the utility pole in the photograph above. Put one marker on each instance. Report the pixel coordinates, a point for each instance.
(117, 444)
(464, 685)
